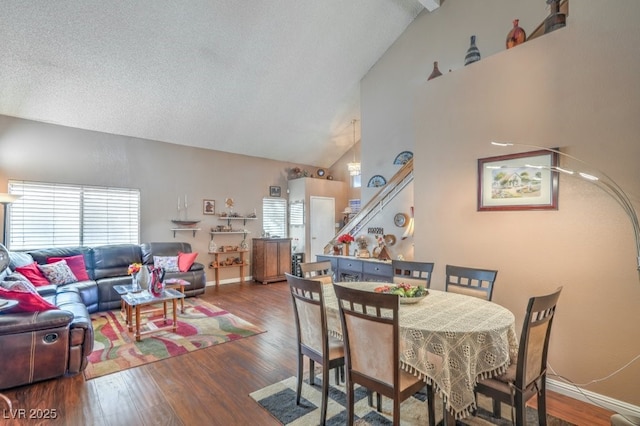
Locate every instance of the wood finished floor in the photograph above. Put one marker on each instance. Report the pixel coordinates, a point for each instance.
(209, 386)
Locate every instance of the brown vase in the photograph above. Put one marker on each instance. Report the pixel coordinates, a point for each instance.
(345, 249)
(516, 36)
(436, 72)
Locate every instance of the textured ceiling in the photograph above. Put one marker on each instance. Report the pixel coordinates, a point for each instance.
(270, 78)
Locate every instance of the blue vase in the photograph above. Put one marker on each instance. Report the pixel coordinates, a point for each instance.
(473, 54)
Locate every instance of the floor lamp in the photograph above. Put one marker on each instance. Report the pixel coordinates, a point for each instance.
(602, 181)
(5, 200)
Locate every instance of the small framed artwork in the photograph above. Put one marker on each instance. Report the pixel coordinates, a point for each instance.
(208, 207)
(524, 181)
(274, 191)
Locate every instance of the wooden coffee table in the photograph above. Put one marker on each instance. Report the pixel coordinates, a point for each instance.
(178, 284)
(135, 302)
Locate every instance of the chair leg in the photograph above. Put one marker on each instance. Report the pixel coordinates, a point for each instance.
(337, 370)
(350, 402)
(325, 394)
(312, 372)
(520, 410)
(497, 408)
(431, 406)
(379, 402)
(396, 410)
(300, 372)
(542, 403)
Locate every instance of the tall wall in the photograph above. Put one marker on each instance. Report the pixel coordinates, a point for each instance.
(577, 89)
(37, 151)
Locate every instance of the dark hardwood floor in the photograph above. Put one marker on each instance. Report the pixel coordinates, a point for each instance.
(209, 386)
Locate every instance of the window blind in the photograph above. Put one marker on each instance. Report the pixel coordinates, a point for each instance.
(59, 215)
(274, 216)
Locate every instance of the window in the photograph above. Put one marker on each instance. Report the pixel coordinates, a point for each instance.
(58, 215)
(274, 216)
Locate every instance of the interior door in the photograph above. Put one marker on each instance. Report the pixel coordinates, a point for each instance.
(321, 224)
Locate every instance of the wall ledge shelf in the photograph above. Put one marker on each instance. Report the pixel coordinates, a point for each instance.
(194, 230)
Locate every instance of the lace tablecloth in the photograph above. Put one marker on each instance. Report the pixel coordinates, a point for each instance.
(450, 340)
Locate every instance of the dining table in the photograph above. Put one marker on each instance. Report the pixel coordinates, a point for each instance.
(450, 340)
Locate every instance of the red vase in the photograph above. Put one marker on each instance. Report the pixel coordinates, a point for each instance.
(516, 36)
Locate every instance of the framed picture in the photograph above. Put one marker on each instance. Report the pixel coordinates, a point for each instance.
(524, 181)
(274, 191)
(208, 207)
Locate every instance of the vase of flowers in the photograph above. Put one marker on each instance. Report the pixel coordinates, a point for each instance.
(134, 270)
(345, 240)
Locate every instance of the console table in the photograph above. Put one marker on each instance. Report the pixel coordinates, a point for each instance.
(351, 268)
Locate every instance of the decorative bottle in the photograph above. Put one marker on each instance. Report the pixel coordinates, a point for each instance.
(516, 36)
(435, 73)
(473, 54)
(212, 246)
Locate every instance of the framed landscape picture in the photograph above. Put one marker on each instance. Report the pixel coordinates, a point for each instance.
(524, 181)
(274, 191)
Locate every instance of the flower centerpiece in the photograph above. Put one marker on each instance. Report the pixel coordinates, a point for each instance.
(136, 280)
(345, 240)
(408, 293)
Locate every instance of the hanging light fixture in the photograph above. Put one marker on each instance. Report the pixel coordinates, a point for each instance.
(354, 168)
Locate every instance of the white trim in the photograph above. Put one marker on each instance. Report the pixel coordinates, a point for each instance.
(592, 397)
(248, 279)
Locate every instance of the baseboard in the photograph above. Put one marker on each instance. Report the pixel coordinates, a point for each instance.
(592, 397)
(229, 281)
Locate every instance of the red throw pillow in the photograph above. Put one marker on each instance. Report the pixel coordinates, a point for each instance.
(27, 301)
(185, 260)
(33, 274)
(76, 264)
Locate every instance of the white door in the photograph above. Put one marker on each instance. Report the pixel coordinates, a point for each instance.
(322, 229)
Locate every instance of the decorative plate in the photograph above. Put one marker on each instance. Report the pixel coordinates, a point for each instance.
(400, 219)
(377, 181)
(403, 157)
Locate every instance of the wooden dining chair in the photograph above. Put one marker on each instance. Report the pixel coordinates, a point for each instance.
(371, 335)
(527, 377)
(318, 271)
(470, 281)
(412, 272)
(313, 339)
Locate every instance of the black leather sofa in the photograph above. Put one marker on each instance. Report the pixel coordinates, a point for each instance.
(43, 345)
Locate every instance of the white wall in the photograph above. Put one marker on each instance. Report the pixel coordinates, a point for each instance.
(575, 88)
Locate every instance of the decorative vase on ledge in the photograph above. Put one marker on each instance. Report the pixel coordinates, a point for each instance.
(345, 249)
(516, 36)
(436, 71)
(473, 53)
(556, 19)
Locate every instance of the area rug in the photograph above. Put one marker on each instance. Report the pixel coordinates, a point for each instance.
(279, 400)
(201, 325)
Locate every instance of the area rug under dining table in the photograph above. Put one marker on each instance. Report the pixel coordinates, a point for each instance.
(200, 326)
(279, 400)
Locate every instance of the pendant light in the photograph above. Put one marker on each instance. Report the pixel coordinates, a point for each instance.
(354, 168)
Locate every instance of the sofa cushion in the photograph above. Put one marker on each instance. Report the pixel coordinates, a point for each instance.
(27, 301)
(76, 264)
(33, 274)
(162, 249)
(58, 273)
(19, 258)
(185, 260)
(168, 263)
(41, 255)
(114, 260)
(17, 281)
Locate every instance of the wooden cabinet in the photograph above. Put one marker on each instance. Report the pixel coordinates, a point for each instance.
(271, 259)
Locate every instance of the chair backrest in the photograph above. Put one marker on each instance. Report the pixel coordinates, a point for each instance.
(371, 335)
(309, 311)
(534, 340)
(470, 281)
(319, 271)
(412, 272)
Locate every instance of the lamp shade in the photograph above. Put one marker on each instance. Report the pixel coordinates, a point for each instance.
(9, 198)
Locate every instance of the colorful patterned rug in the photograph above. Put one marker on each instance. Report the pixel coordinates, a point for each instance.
(200, 326)
(279, 400)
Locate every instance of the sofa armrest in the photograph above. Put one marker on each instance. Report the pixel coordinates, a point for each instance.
(26, 322)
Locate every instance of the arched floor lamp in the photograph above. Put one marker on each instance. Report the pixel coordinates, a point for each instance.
(598, 178)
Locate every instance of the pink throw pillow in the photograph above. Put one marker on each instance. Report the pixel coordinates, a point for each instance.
(27, 301)
(76, 264)
(185, 260)
(33, 274)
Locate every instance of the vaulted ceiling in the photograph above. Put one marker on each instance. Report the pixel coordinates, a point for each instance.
(270, 78)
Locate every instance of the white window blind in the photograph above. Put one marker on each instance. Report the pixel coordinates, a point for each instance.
(58, 215)
(274, 216)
